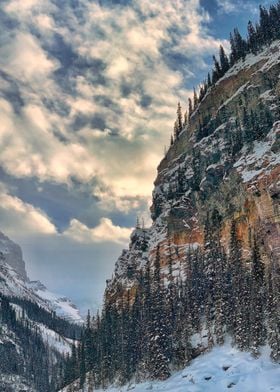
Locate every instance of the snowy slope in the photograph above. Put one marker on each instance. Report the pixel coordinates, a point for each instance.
(55, 341)
(14, 282)
(224, 368)
(12, 285)
(62, 306)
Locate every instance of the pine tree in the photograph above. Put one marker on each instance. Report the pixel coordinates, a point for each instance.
(195, 99)
(273, 284)
(237, 273)
(179, 118)
(82, 362)
(176, 130)
(257, 300)
(252, 38)
(209, 81)
(233, 52)
(158, 332)
(196, 167)
(223, 61)
(265, 30)
(190, 108)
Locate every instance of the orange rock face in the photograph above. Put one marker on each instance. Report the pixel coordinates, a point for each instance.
(244, 188)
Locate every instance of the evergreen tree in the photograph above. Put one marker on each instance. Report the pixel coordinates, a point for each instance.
(237, 273)
(176, 130)
(82, 362)
(179, 118)
(223, 61)
(209, 81)
(265, 28)
(239, 45)
(252, 38)
(273, 284)
(190, 108)
(158, 332)
(195, 99)
(257, 300)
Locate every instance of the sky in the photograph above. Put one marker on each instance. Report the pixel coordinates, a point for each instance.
(88, 97)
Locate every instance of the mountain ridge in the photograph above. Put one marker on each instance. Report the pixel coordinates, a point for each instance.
(15, 282)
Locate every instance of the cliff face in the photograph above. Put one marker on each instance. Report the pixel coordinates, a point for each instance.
(229, 171)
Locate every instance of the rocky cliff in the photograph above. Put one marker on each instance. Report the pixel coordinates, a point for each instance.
(225, 165)
(12, 255)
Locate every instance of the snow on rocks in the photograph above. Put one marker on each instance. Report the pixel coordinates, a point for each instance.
(62, 306)
(261, 159)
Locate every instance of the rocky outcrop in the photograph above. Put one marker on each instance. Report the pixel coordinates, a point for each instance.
(214, 176)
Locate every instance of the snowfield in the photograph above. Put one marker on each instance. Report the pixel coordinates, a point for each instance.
(219, 370)
(223, 369)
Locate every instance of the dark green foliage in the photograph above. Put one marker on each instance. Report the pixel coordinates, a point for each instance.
(158, 361)
(273, 306)
(252, 38)
(34, 312)
(224, 63)
(36, 363)
(196, 167)
(256, 124)
(178, 125)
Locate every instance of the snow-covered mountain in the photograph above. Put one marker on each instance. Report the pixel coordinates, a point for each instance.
(14, 282)
(37, 327)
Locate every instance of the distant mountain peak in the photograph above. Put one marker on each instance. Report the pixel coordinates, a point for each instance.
(14, 282)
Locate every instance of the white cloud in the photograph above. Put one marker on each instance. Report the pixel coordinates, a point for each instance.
(23, 58)
(40, 140)
(19, 218)
(22, 7)
(227, 5)
(237, 6)
(105, 231)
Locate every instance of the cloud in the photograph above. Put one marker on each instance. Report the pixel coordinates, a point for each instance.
(19, 218)
(227, 5)
(97, 92)
(238, 6)
(105, 231)
(23, 58)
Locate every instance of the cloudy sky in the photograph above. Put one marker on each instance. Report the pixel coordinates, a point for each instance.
(88, 95)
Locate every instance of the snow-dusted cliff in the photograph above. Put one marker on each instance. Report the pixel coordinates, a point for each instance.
(238, 179)
(11, 253)
(14, 282)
